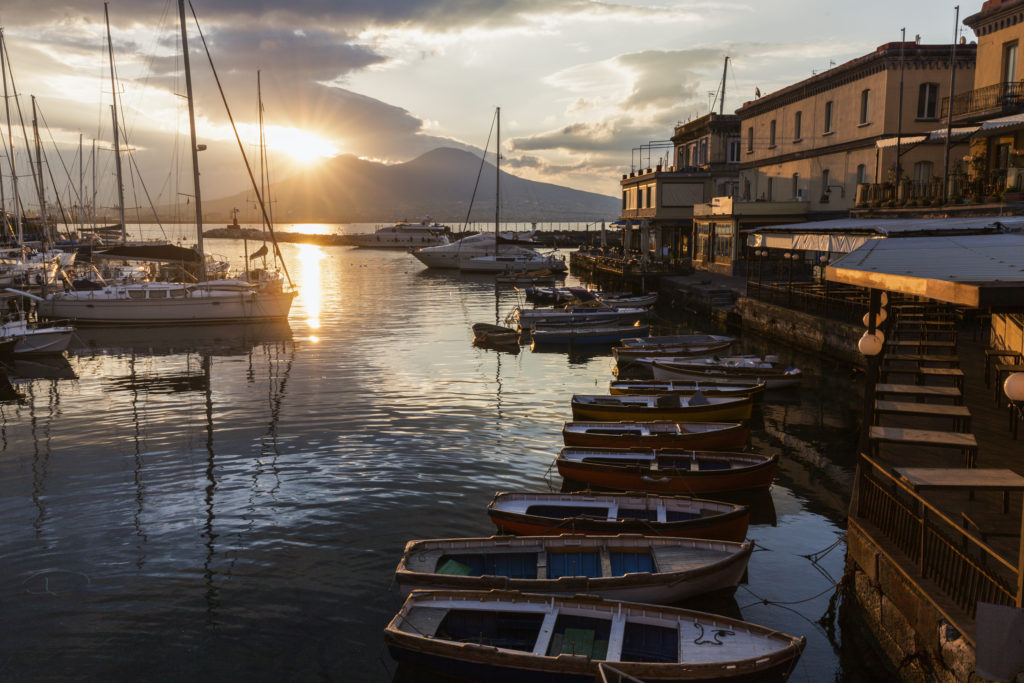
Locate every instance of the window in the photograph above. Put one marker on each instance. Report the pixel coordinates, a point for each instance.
(828, 116)
(639, 198)
(798, 120)
(750, 139)
(158, 294)
(746, 189)
(1010, 62)
(796, 186)
(649, 204)
(865, 105)
(723, 242)
(768, 192)
(862, 174)
(771, 133)
(625, 198)
(177, 293)
(826, 179)
(927, 99)
(734, 150)
(923, 171)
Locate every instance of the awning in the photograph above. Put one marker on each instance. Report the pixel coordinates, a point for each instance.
(1003, 122)
(836, 244)
(976, 271)
(885, 143)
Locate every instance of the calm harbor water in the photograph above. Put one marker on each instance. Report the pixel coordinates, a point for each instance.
(229, 502)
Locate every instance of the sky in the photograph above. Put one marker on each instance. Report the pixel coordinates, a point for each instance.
(581, 83)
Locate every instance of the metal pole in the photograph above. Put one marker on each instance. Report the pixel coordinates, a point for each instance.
(117, 146)
(899, 115)
(949, 114)
(10, 142)
(195, 147)
(871, 376)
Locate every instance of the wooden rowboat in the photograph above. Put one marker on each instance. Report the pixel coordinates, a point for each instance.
(485, 334)
(670, 345)
(708, 388)
(701, 369)
(674, 472)
(625, 567)
(579, 335)
(512, 636)
(545, 514)
(679, 407)
(706, 436)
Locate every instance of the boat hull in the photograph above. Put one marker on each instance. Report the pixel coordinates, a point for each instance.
(731, 436)
(53, 340)
(728, 526)
(684, 388)
(774, 380)
(662, 587)
(242, 307)
(672, 482)
(582, 335)
(513, 636)
(736, 409)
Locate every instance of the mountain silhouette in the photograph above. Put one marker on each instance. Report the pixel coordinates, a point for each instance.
(438, 184)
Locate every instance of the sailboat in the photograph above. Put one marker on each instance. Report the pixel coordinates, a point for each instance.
(154, 303)
(498, 261)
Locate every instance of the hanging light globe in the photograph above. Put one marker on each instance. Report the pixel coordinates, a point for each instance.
(879, 319)
(1013, 387)
(871, 344)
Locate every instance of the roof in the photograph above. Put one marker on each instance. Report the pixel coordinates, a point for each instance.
(893, 227)
(976, 271)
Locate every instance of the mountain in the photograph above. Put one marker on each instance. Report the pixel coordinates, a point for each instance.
(439, 184)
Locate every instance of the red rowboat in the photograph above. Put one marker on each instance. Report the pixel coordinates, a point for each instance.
(706, 436)
(544, 514)
(674, 472)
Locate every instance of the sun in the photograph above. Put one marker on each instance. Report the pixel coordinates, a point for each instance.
(300, 146)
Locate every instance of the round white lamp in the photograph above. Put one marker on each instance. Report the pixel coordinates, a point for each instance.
(871, 344)
(879, 319)
(885, 299)
(823, 258)
(1013, 387)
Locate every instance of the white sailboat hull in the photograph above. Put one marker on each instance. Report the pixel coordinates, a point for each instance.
(517, 263)
(232, 307)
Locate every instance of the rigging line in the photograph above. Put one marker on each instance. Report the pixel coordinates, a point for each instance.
(21, 120)
(145, 190)
(60, 204)
(241, 147)
(476, 185)
(67, 172)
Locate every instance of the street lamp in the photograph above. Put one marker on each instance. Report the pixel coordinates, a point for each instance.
(791, 257)
(823, 259)
(1013, 387)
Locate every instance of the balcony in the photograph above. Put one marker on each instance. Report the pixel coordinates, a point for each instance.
(1000, 98)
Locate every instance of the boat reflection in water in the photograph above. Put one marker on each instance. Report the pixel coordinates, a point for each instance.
(216, 340)
(38, 367)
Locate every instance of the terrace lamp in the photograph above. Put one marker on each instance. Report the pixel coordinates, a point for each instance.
(760, 253)
(871, 344)
(879, 319)
(791, 257)
(1013, 387)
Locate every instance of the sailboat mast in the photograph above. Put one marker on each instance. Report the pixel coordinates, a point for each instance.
(117, 145)
(195, 147)
(497, 182)
(92, 170)
(10, 142)
(39, 167)
(81, 183)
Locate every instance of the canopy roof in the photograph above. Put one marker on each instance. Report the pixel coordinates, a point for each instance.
(843, 235)
(976, 271)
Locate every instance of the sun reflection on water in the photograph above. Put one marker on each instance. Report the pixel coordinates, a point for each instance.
(310, 256)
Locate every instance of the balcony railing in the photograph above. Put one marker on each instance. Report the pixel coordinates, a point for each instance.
(1001, 97)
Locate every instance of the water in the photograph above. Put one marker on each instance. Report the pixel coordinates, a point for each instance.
(229, 503)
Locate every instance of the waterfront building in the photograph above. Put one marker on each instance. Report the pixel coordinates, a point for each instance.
(706, 152)
(994, 107)
(818, 139)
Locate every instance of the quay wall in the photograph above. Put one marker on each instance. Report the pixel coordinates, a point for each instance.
(802, 330)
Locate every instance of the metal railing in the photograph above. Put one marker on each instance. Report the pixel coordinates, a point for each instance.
(1001, 96)
(834, 302)
(965, 569)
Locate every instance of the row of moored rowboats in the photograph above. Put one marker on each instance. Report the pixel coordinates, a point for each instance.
(579, 585)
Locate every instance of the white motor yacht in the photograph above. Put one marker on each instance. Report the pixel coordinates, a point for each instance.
(404, 236)
(449, 255)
